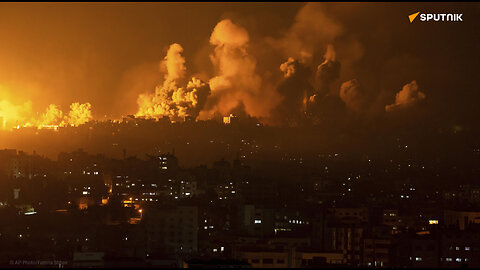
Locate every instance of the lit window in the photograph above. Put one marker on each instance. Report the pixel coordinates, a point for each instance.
(458, 259)
(418, 259)
(467, 248)
(258, 221)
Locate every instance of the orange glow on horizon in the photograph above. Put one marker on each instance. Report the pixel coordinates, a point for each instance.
(13, 116)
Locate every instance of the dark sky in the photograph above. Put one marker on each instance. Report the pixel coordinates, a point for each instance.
(109, 53)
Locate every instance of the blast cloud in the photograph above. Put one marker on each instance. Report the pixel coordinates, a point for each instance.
(295, 90)
(328, 71)
(313, 29)
(289, 68)
(308, 87)
(12, 115)
(79, 114)
(169, 99)
(353, 95)
(406, 97)
(53, 116)
(236, 85)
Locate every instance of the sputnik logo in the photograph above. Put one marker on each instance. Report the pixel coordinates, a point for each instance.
(412, 17)
(437, 17)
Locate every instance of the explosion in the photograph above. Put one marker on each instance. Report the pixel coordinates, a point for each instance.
(244, 79)
(79, 114)
(236, 84)
(52, 116)
(328, 71)
(169, 99)
(16, 116)
(12, 115)
(407, 96)
(352, 94)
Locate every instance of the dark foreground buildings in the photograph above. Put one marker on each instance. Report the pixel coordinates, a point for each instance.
(285, 210)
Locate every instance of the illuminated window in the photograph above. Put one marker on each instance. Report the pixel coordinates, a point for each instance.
(433, 221)
(258, 221)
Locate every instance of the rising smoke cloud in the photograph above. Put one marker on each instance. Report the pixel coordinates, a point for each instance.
(353, 95)
(289, 68)
(319, 55)
(328, 71)
(171, 100)
(312, 30)
(236, 85)
(406, 97)
(295, 90)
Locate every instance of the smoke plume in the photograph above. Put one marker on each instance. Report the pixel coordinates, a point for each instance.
(406, 97)
(295, 90)
(353, 95)
(171, 100)
(328, 71)
(312, 30)
(236, 84)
